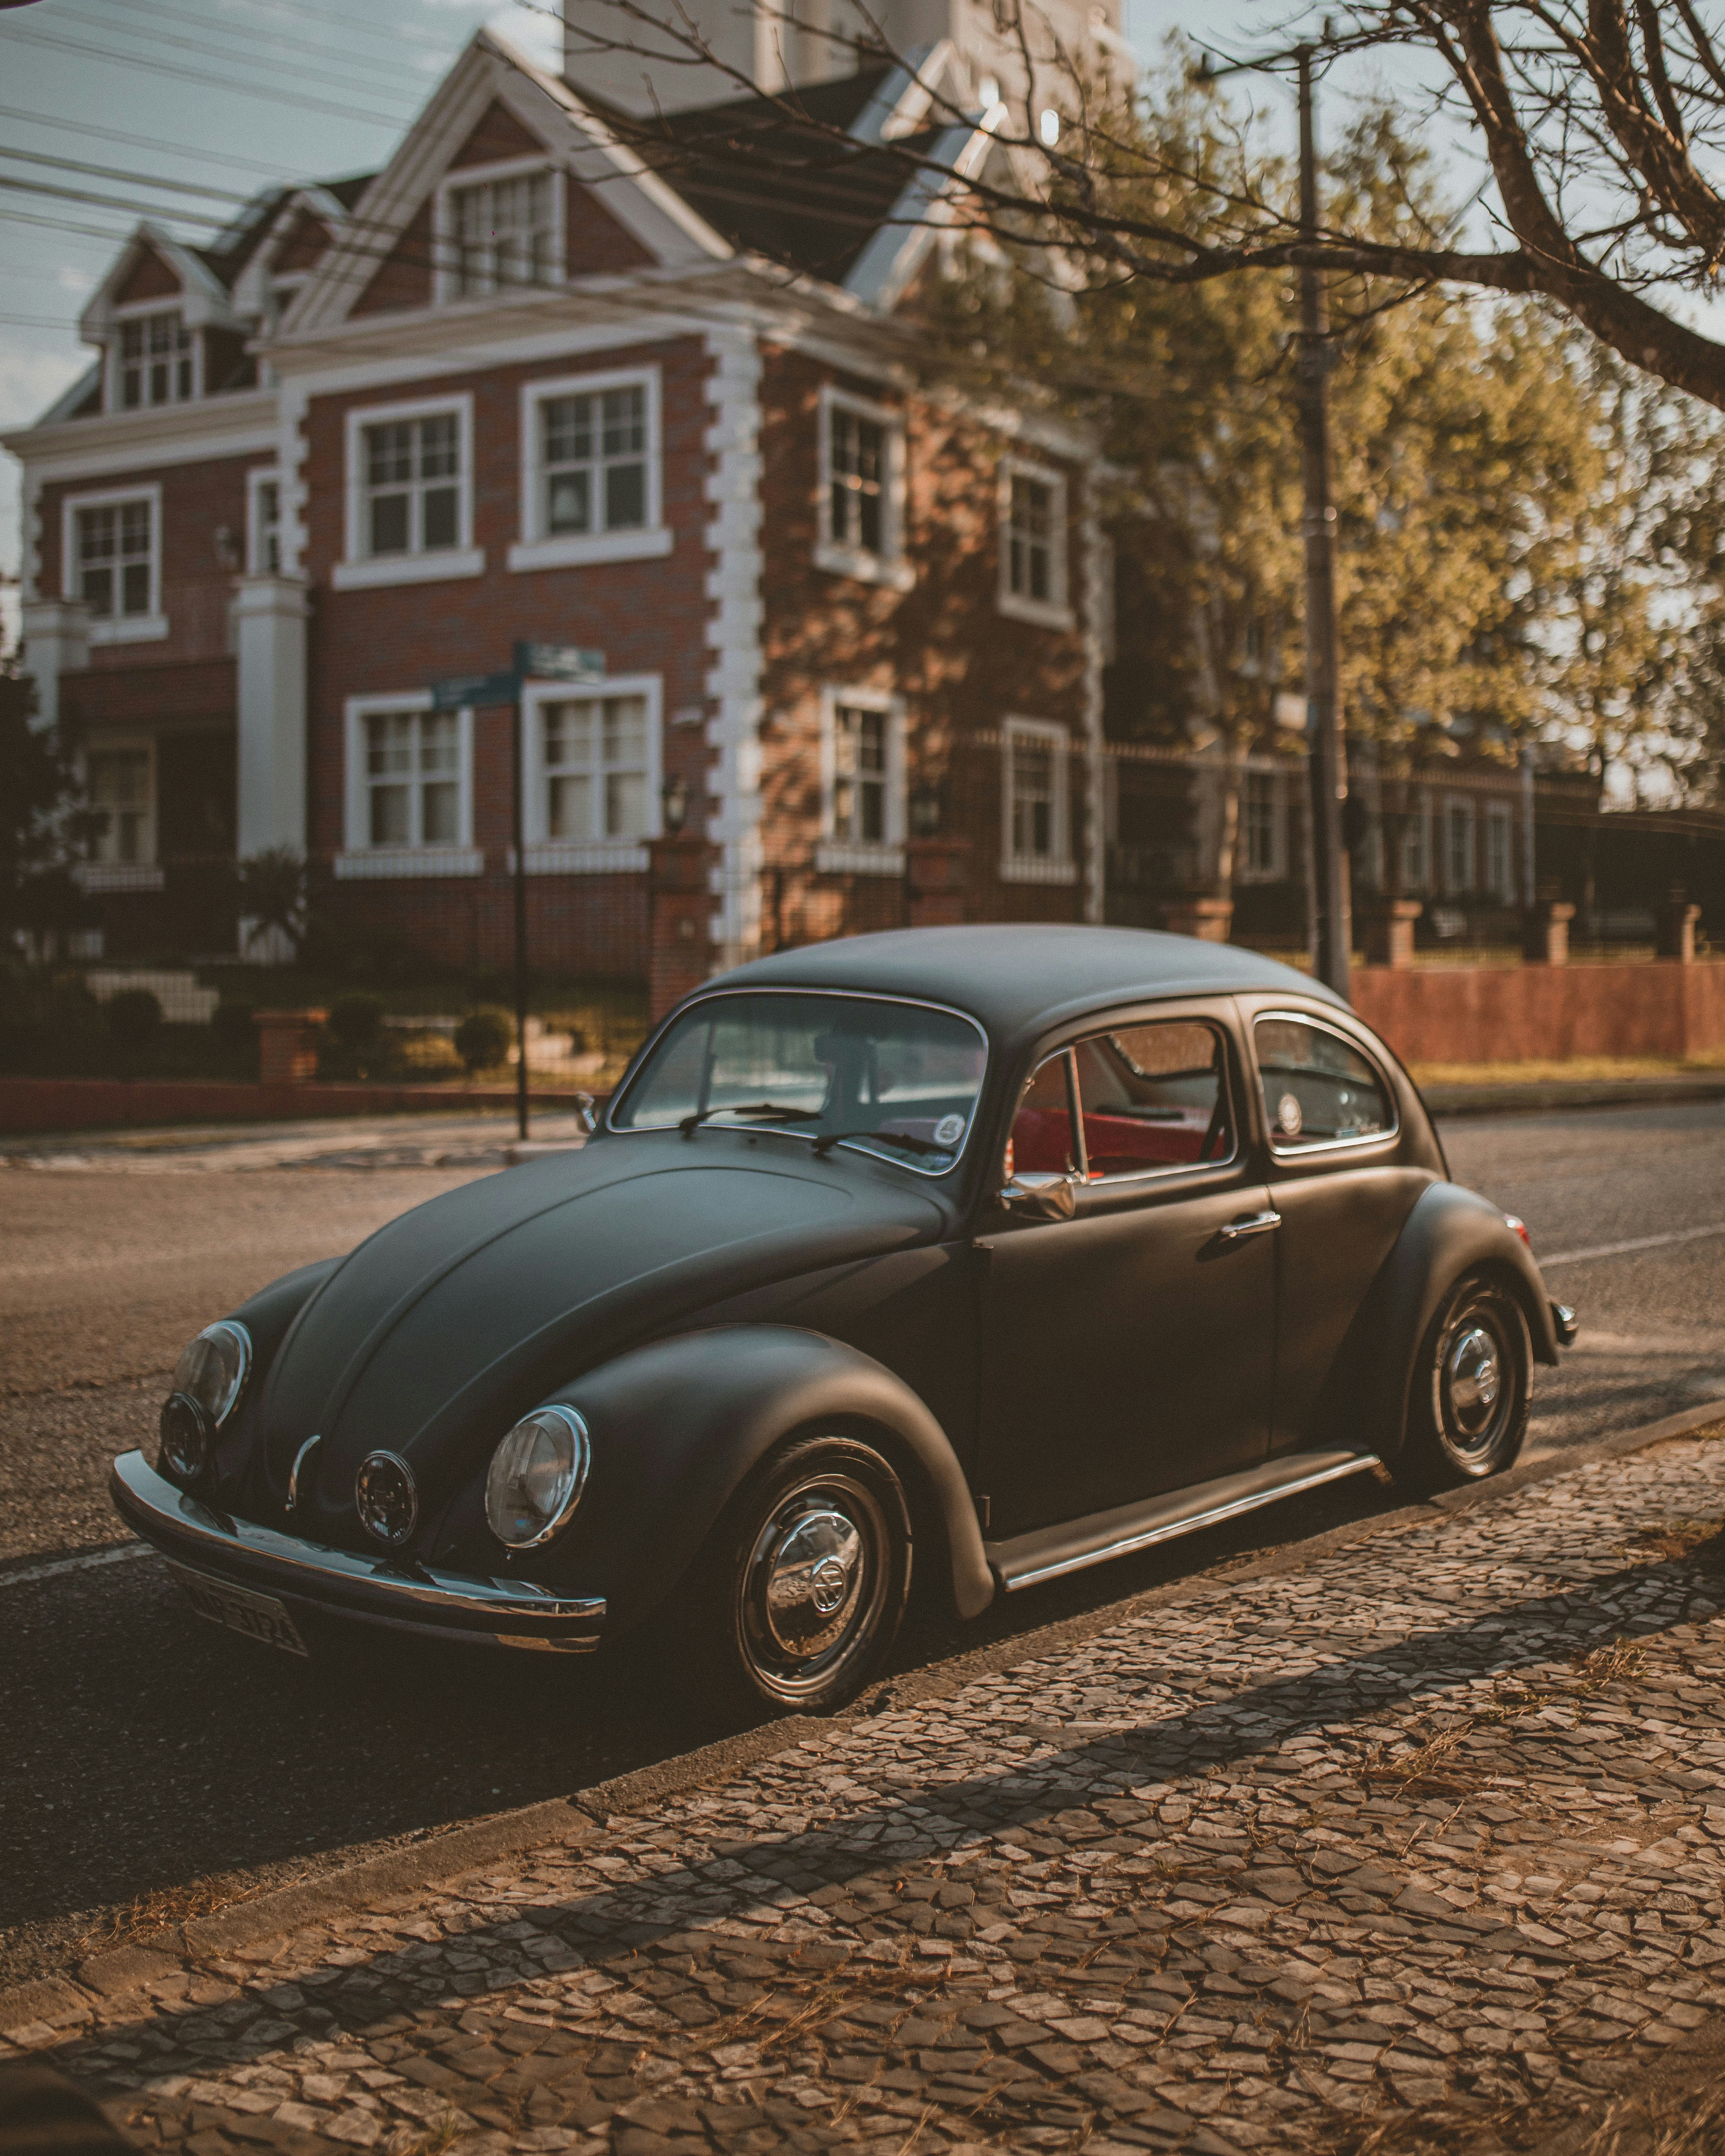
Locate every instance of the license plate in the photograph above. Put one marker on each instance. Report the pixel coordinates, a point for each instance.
(257, 1616)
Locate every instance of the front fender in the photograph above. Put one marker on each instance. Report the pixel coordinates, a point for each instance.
(1450, 1231)
(677, 1425)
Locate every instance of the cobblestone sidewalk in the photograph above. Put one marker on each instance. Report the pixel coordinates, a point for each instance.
(1436, 1819)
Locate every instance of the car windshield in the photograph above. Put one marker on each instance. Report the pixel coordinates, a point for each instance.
(895, 1079)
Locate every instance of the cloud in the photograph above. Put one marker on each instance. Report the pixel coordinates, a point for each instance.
(75, 281)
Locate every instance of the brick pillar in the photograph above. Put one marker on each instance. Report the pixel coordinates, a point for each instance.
(1545, 934)
(287, 1045)
(935, 873)
(1210, 920)
(1388, 924)
(681, 955)
(1676, 929)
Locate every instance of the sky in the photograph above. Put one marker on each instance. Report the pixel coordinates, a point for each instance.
(226, 96)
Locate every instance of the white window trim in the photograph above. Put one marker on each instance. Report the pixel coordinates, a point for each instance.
(834, 855)
(256, 480)
(362, 860)
(149, 627)
(889, 567)
(549, 856)
(135, 310)
(538, 549)
(1278, 870)
(145, 875)
(1055, 613)
(360, 571)
(1058, 867)
(443, 227)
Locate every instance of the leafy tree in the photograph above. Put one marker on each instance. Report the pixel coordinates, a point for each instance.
(37, 784)
(273, 893)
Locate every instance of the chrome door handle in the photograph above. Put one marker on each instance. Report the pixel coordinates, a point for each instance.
(1249, 1223)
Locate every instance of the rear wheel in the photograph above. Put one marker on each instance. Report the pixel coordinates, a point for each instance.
(800, 1591)
(1471, 1390)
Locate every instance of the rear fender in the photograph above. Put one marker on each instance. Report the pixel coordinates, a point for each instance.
(1449, 1232)
(678, 1425)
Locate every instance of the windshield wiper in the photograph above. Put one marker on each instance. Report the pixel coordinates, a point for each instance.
(770, 1112)
(825, 1143)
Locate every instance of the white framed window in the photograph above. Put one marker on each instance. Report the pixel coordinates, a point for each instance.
(154, 361)
(1261, 854)
(1458, 847)
(862, 764)
(409, 796)
(263, 523)
(590, 465)
(861, 510)
(499, 226)
(1499, 876)
(409, 495)
(1414, 870)
(1036, 830)
(119, 785)
(1033, 544)
(111, 552)
(590, 790)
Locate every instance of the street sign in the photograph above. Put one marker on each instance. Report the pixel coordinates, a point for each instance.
(559, 662)
(456, 690)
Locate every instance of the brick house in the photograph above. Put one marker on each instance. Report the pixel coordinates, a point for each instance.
(516, 385)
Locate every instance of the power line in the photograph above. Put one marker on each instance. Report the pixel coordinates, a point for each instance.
(136, 179)
(111, 202)
(147, 142)
(273, 96)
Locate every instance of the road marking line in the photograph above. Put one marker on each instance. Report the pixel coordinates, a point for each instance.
(75, 1564)
(1639, 1242)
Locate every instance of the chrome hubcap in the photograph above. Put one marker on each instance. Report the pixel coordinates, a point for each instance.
(1475, 1380)
(815, 1582)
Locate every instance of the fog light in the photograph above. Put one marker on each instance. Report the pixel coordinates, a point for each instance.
(187, 1436)
(536, 1476)
(388, 1503)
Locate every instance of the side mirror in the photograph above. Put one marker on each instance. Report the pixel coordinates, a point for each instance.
(1040, 1197)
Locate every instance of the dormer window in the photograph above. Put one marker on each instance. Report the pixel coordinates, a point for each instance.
(502, 231)
(157, 360)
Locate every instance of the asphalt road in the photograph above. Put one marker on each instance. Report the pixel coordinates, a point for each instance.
(153, 1766)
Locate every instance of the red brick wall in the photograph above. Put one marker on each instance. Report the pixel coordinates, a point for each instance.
(961, 666)
(648, 617)
(197, 499)
(1540, 1014)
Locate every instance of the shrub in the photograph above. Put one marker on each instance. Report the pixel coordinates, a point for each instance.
(356, 1021)
(231, 1024)
(483, 1040)
(134, 1018)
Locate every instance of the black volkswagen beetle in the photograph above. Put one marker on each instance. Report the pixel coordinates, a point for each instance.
(1018, 1247)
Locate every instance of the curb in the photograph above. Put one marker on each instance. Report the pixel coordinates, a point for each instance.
(461, 1850)
(1447, 1102)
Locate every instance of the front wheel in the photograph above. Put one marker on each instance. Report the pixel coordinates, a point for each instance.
(799, 1593)
(1471, 1390)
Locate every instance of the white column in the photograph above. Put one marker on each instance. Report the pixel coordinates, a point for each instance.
(56, 636)
(269, 637)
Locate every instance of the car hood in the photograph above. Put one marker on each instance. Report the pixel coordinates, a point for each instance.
(458, 1318)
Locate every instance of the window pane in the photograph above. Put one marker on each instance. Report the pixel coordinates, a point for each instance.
(437, 741)
(389, 816)
(625, 422)
(389, 743)
(568, 429)
(1032, 781)
(440, 447)
(1315, 1087)
(1153, 1096)
(441, 507)
(570, 808)
(438, 804)
(388, 533)
(569, 734)
(1042, 1141)
(567, 502)
(625, 497)
(625, 729)
(626, 804)
(135, 588)
(868, 522)
(389, 454)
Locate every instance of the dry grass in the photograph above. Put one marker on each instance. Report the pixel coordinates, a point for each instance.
(1671, 1541)
(1581, 1069)
(1679, 2122)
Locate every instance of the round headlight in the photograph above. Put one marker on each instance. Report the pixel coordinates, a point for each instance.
(385, 1495)
(187, 1436)
(213, 1370)
(536, 1476)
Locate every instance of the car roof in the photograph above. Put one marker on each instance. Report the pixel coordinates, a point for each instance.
(1017, 976)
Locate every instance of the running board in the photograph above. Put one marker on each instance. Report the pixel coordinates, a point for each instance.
(1046, 1553)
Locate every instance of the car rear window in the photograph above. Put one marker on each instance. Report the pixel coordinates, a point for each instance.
(899, 1079)
(1318, 1089)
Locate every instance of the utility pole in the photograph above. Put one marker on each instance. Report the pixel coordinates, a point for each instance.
(1327, 746)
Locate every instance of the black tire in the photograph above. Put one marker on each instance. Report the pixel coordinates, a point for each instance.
(799, 1591)
(1470, 1390)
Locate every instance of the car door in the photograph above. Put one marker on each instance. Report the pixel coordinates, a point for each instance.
(1127, 1350)
(1340, 1179)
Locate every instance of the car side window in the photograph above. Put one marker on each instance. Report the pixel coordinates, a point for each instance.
(1318, 1089)
(1154, 1097)
(1042, 1142)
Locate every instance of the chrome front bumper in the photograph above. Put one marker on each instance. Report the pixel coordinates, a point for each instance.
(308, 1576)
